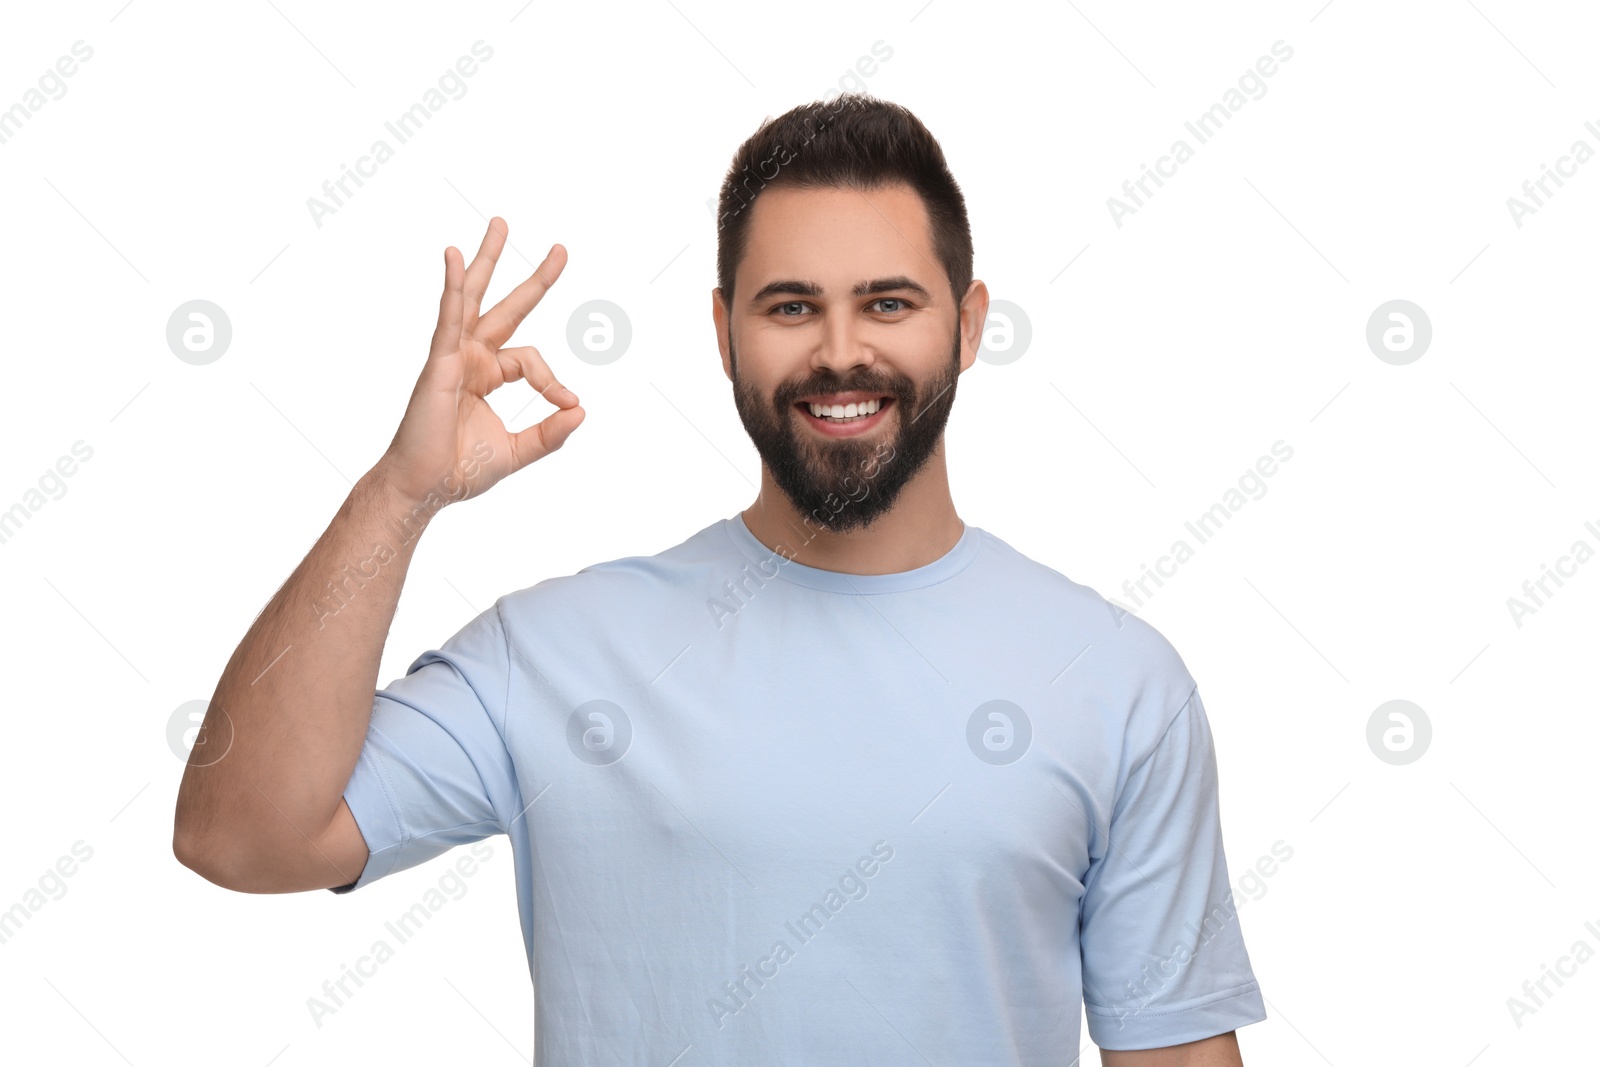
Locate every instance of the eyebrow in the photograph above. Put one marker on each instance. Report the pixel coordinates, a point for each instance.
(796, 287)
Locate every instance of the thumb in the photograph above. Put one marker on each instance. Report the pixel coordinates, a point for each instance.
(543, 438)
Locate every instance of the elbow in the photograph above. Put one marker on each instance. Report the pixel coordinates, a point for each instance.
(238, 869)
(205, 859)
(188, 850)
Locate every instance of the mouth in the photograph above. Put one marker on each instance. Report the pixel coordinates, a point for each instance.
(845, 420)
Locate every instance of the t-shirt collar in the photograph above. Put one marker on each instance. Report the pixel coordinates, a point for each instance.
(773, 564)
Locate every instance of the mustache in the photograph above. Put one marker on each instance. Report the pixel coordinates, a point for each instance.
(789, 394)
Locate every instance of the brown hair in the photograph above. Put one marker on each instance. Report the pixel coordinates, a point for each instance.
(857, 142)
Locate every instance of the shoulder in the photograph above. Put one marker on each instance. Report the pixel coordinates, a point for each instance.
(612, 589)
(1038, 586)
(1117, 651)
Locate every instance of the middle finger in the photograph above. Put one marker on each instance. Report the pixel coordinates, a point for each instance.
(496, 326)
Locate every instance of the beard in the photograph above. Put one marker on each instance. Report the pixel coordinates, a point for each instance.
(846, 483)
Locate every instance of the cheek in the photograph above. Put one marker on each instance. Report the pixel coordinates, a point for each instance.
(771, 355)
(779, 345)
(912, 342)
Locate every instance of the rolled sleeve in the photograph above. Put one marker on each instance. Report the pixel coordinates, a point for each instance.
(434, 771)
(1164, 960)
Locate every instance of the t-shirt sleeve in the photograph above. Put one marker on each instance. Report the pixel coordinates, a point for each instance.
(434, 770)
(1164, 960)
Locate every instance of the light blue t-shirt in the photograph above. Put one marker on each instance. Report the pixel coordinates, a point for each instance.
(764, 813)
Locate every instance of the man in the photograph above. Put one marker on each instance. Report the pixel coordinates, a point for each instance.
(839, 779)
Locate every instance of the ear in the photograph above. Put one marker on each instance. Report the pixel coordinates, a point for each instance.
(974, 314)
(719, 317)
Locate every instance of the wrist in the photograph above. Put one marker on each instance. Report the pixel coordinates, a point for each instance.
(376, 493)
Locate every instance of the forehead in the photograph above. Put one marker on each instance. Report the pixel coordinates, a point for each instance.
(837, 237)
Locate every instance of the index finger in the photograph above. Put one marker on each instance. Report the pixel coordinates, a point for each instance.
(497, 325)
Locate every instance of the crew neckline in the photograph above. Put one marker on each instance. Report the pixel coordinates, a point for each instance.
(773, 564)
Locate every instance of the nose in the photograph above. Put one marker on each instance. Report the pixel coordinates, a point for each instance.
(841, 346)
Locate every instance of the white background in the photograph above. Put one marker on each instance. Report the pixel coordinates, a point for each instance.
(1167, 355)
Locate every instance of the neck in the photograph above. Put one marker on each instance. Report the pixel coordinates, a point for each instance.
(921, 527)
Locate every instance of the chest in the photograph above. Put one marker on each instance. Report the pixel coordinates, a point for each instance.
(699, 781)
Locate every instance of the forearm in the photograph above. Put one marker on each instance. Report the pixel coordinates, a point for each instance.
(1219, 1051)
(288, 717)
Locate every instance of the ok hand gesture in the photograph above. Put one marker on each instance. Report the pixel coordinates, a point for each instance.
(448, 423)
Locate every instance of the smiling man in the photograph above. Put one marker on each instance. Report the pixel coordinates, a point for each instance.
(837, 779)
(845, 370)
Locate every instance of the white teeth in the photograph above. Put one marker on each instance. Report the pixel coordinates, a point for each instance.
(844, 411)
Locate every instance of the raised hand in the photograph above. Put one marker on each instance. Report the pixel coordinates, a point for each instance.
(450, 443)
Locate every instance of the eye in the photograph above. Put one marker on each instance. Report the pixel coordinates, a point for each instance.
(791, 304)
(892, 300)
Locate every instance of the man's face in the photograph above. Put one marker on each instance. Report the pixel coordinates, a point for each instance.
(839, 300)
